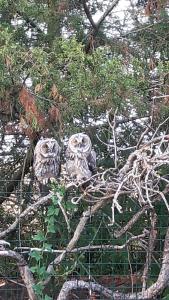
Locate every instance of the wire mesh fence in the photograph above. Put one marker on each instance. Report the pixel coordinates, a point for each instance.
(119, 261)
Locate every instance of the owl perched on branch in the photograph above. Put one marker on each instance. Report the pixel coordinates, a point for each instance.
(80, 158)
(46, 162)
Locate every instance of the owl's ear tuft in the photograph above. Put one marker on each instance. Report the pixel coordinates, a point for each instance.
(80, 161)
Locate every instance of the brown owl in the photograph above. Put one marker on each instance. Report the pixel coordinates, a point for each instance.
(80, 158)
(46, 161)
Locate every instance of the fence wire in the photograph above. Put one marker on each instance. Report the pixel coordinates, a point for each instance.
(99, 257)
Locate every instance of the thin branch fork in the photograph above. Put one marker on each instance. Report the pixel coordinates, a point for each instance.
(96, 26)
(88, 14)
(138, 215)
(106, 13)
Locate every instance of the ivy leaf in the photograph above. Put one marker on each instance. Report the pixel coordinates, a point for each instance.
(47, 298)
(37, 255)
(34, 269)
(54, 199)
(51, 228)
(47, 246)
(38, 288)
(39, 236)
(51, 211)
(70, 206)
(57, 211)
(42, 271)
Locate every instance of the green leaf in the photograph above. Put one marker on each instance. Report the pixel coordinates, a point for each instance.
(34, 269)
(47, 246)
(48, 298)
(54, 199)
(39, 236)
(36, 254)
(51, 211)
(70, 206)
(42, 271)
(38, 288)
(57, 210)
(166, 297)
(51, 228)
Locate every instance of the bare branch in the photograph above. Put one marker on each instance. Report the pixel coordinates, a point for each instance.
(96, 26)
(8, 189)
(79, 229)
(79, 284)
(151, 293)
(134, 219)
(26, 214)
(144, 133)
(114, 136)
(162, 282)
(24, 271)
(63, 211)
(87, 248)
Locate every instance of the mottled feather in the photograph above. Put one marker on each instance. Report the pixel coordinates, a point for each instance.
(80, 158)
(46, 161)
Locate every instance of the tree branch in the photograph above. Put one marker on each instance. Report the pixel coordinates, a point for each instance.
(151, 245)
(106, 13)
(24, 271)
(79, 229)
(9, 187)
(96, 26)
(151, 293)
(87, 248)
(32, 208)
(80, 284)
(133, 220)
(29, 21)
(88, 14)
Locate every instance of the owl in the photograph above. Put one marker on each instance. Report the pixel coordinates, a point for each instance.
(80, 158)
(46, 162)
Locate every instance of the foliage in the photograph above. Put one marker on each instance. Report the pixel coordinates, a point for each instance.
(62, 72)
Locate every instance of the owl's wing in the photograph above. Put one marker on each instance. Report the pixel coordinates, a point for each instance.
(59, 162)
(36, 164)
(92, 161)
(70, 165)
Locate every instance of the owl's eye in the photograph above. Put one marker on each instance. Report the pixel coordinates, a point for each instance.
(83, 140)
(45, 147)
